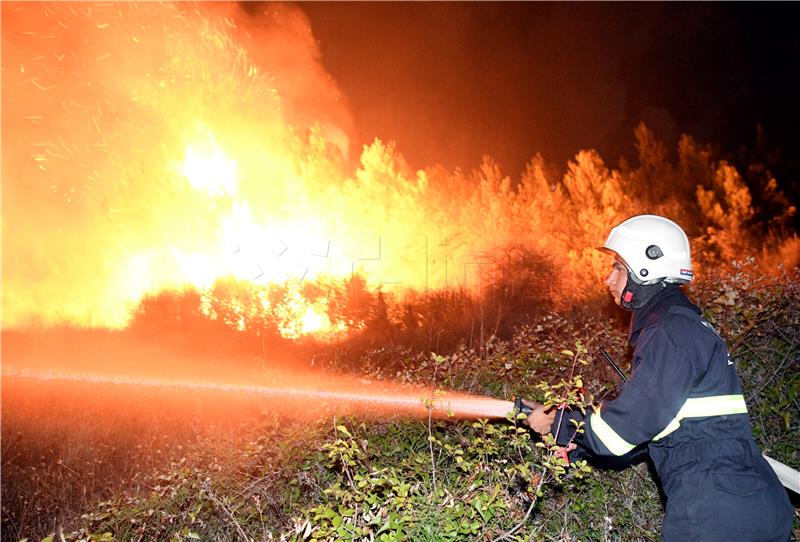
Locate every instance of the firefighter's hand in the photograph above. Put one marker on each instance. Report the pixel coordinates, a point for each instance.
(541, 419)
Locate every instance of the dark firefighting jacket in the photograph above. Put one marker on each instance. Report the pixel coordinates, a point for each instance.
(684, 403)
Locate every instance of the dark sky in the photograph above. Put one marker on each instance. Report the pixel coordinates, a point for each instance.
(450, 82)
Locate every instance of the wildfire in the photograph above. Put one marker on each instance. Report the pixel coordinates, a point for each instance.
(195, 155)
(159, 153)
(313, 321)
(248, 250)
(300, 317)
(211, 172)
(162, 145)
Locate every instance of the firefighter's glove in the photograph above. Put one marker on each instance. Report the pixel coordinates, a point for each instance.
(540, 419)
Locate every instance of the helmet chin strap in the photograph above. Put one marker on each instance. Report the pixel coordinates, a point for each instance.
(635, 295)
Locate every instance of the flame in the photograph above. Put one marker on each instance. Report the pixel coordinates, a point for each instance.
(181, 162)
(312, 321)
(257, 248)
(300, 317)
(246, 177)
(211, 172)
(163, 145)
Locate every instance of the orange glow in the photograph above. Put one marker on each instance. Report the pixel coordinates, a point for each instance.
(176, 166)
(338, 395)
(182, 164)
(312, 321)
(163, 145)
(211, 171)
(300, 317)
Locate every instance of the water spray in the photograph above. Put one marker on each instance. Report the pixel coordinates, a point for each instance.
(403, 401)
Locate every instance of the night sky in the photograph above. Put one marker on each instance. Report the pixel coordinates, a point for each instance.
(450, 82)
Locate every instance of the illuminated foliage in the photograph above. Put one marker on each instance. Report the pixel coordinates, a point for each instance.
(250, 175)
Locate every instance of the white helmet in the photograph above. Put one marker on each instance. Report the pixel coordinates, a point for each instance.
(654, 248)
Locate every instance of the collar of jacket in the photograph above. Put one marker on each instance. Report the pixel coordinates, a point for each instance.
(655, 309)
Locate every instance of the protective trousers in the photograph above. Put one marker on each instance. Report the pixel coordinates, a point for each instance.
(723, 491)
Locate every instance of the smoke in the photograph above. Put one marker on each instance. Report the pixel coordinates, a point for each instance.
(99, 103)
(450, 82)
(278, 38)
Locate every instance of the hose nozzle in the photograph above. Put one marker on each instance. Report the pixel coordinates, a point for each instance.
(520, 407)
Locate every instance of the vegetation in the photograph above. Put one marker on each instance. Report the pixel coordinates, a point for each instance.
(86, 464)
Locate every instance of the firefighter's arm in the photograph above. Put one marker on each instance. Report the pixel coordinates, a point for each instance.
(647, 404)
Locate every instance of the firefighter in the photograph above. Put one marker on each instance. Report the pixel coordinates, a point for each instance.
(683, 402)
